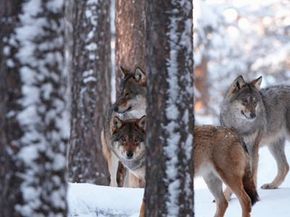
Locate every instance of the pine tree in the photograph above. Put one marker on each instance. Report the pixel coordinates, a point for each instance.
(170, 120)
(33, 134)
(91, 90)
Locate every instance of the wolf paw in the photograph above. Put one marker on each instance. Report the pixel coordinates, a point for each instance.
(269, 186)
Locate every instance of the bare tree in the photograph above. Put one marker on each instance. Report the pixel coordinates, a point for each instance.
(170, 120)
(32, 117)
(91, 90)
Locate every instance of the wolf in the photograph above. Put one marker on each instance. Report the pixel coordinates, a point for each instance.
(128, 144)
(130, 104)
(261, 117)
(220, 156)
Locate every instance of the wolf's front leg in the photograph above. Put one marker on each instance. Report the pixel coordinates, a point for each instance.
(113, 169)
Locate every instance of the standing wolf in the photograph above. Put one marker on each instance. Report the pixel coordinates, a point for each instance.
(130, 104)
(220, 156)
(261, 117)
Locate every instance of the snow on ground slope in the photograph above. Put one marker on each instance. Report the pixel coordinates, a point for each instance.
(87, 200)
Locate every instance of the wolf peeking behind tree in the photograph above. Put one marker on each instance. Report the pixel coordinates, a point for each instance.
(130, 104)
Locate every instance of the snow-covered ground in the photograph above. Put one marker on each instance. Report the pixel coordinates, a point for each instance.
(86, 200)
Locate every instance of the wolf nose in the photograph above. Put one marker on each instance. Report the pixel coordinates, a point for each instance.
(129, 154)
(252, 115)
(116, 109)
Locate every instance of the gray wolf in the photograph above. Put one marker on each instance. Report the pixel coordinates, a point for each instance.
(128, 144)
(220, 156)
(130, 104)
(261, 117)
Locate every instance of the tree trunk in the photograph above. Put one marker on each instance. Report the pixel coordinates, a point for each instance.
(90, 90)
(10, 93)
(130, 47)
(130, 36)
(170, 119)
(32, 116)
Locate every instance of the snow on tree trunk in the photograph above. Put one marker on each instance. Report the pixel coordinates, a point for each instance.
(33, 138)
(130, 36)
(90, 90)
(170, 120)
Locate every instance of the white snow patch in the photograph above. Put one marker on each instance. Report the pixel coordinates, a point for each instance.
(86, 200)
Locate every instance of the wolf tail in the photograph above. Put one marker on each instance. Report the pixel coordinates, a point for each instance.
(249, 184)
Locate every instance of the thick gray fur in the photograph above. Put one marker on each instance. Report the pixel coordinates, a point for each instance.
(268, 122)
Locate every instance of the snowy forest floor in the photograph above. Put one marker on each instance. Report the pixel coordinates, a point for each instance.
(86, 200)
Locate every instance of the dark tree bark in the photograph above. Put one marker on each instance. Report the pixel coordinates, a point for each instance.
(130, 45)
(10, 93)
(32, 138)
(130, 36)
(170, 119)
(90, 90)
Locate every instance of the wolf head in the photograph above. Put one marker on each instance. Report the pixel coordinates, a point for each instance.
(132, 97)
(245, 97)
(128, 137)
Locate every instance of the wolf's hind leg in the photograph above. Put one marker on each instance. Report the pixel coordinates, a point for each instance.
(277, 149)
(228, 193)
(235, 182)
(215, 186)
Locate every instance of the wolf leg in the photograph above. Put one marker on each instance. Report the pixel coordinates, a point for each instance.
(113, 169)
(228, 193)
(244, 199)
(277, 149)
(235, 182)
(216, 188)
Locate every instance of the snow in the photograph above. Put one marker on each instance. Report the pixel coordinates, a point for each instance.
(87, 200)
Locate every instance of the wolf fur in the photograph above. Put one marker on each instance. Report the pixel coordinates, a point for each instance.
(128, 137)
(130, 104)
(220, 156)
(261, 117)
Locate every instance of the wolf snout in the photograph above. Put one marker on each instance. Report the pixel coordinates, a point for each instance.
(249, 115)
(130, 154)
(252, 115)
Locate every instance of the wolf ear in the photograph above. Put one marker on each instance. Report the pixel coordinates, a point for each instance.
(124, 71)
(238, 83)
(139, 75)
(257, 82)
(142, 122)
(117, 123)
